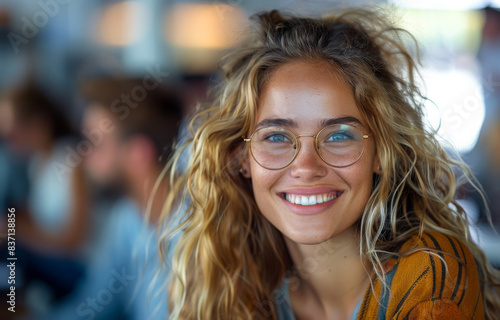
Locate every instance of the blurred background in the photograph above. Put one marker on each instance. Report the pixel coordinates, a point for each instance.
(91, 92)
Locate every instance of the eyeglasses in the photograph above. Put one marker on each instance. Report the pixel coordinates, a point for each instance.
(339, 145)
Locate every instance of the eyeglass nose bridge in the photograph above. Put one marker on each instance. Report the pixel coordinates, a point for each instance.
(297, 147)
(306, 135)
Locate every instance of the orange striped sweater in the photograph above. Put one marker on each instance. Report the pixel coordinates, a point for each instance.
(422, 286)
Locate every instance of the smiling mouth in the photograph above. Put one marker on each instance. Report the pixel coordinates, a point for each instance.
(310, 200)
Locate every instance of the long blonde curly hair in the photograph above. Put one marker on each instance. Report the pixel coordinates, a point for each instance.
(226, 258)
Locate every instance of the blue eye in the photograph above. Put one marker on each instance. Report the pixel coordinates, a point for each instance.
(277, 138)
(340, 136)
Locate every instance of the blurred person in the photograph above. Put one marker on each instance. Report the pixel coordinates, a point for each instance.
(490, 144)
(13, 179)
(131, 142)
(316, 190)
(51, 228)
(489, 51)
(482, 158)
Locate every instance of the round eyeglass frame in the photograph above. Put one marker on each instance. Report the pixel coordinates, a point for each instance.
(297, 149)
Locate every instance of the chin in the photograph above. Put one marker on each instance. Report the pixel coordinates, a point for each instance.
(307, 237)
(317, 234)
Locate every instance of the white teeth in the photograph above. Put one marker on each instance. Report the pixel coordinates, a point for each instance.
(310, 200)
(304, 201)
(297, 200)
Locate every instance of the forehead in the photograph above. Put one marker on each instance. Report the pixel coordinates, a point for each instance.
(307, 92)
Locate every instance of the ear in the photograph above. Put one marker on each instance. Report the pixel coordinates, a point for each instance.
(245, 166)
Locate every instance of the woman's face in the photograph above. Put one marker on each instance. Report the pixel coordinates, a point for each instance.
(307, 95)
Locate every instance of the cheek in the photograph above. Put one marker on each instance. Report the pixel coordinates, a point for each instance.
(360, 179)
(361, 185)
(263, 181)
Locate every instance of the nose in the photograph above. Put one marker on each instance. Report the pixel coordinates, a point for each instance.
(307, 164)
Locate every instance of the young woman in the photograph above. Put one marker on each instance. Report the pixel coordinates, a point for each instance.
(314, 189)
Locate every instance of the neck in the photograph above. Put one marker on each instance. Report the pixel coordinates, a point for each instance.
(331, 276)
(142, 189)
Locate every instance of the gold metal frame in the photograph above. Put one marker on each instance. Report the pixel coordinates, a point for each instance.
(315, 136)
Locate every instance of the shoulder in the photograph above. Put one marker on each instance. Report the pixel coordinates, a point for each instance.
(435, 278)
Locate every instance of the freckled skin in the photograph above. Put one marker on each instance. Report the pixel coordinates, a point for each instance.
(308, 93)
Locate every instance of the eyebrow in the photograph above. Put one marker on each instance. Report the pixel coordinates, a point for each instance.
(341, 120)
(277, 122)
(289, 123)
